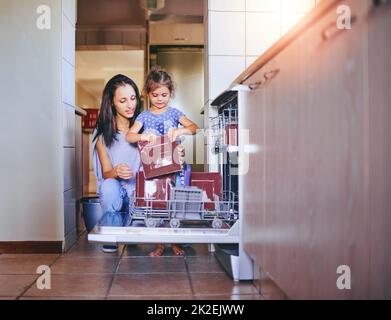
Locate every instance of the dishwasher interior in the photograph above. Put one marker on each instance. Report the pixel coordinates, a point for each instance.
(205, 210)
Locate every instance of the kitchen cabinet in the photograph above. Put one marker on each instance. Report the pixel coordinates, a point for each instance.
(176, 34)
(317, 183)
(72, 146)
(378, 149)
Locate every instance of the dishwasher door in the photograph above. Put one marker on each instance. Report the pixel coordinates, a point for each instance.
(142, 234)
(238, 265)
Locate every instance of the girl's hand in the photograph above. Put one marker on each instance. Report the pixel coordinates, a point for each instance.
(173, 134)
(181, 152)
(123, 171)
(150, 137)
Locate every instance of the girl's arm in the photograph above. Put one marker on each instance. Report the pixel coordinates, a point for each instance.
(121, 171)
(133, 135)
(189, 127)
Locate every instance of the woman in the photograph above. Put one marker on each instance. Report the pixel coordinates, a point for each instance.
(116, 161)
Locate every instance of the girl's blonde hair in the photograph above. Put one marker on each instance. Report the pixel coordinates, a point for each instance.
(158, 77)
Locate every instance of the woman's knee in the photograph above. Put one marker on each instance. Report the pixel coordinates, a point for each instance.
(110, 193)
(110, 186)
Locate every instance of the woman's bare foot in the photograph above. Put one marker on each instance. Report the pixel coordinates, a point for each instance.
(158, 251)
(177, 250)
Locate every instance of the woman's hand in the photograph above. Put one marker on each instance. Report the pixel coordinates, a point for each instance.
(123, 171)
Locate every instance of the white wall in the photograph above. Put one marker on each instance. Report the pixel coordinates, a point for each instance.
(31, 162)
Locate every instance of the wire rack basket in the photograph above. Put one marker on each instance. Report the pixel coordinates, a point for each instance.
(187, 204)
(224, 129)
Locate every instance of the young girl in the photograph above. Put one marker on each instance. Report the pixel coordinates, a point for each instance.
(159, 120)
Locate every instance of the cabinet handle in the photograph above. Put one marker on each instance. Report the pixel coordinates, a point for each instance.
(271, 74)
(266, 77)
(181, 39)
(378, 3)
(332, 30)
(256, 85)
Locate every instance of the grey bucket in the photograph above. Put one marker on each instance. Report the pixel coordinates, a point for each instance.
(92, 212)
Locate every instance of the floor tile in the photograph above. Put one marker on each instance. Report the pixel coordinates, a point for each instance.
(14, 285)
(69, 265)
(228, 297)
(268, 287)
(198, 249)
(142, 250)
(274, 296)
(91, 250)
(73, 285)
(219, 283)
(152, 265)
(83, 238)
(204, 264)
(28, 255)
(63, 298)
(138, 250)
(150, 284)
(152, 297)
(24, 264)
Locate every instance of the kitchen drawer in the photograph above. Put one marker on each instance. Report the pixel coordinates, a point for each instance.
(68, 40)
(79, 156)
(68, 125)
(176, 34)
(69, 211)
(68, 82)
(69, 168)
(69, 8)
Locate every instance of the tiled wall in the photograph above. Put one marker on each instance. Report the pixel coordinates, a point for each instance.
(238, 32)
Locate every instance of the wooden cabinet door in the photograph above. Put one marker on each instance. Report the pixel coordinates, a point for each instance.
(379, 150)
(315, 215)
(252, 160)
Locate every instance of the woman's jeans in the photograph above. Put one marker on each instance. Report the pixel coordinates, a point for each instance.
(115, 204)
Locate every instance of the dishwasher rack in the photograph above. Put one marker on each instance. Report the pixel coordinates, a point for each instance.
(187, 205)
(176, 221)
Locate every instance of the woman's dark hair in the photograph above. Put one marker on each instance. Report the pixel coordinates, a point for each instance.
(106, 124)
(158, 77)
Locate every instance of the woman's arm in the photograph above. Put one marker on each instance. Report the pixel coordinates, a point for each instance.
(121, 171)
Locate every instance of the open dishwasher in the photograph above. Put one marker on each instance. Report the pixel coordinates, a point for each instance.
(206, 210)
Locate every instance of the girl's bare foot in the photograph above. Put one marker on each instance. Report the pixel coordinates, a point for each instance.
(177, 250)
(158, 251)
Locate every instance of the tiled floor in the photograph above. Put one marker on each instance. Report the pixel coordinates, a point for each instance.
(85, 272)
